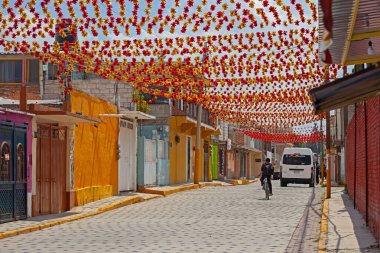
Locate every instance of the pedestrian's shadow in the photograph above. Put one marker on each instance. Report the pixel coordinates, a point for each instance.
(263, 199)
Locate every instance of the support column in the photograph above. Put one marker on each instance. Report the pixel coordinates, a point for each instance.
(198, 146)
(70, 191)
(328, 153)
(322, 170)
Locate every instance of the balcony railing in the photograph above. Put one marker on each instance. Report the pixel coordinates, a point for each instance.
(190, 110)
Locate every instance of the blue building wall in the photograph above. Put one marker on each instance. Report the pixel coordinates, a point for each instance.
(160, 132)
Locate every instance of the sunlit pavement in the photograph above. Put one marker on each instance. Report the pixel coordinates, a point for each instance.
(211, 219)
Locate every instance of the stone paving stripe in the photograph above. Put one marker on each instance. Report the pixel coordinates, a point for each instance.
(324, 227)
(121, 203)
(128, 201)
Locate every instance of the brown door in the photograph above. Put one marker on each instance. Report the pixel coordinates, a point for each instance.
(51, 170)
(206, 159)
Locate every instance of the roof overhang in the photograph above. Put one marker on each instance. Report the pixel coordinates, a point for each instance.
(62, 117)
(188, 125)
(354, 24)
(130, 115)
(347, 90)
(2, 109)
(6, 101)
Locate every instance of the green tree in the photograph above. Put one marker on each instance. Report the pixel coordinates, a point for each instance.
(139, 99)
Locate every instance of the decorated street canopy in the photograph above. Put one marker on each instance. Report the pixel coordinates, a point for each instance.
(248, 62)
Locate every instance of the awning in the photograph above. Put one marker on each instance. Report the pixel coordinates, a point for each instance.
(130, 115)
(347, 90)
(354, 25)
(2, 109)
(62, 117)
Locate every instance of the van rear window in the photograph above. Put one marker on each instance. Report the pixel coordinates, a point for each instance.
(296, 159)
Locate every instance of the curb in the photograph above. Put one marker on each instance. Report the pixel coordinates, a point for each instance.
(121, 203)
(194, 186)
(170, 191)
(242, 182)
(213, 184)
(322, 244)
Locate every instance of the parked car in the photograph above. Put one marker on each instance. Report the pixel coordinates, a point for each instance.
(277, 173)
(297, 167)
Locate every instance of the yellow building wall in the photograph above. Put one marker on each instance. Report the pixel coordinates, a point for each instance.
(95, 150)
(178, 163)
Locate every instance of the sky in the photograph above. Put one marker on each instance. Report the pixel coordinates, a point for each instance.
(169, 5)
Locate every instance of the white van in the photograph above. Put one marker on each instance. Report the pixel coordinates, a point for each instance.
(297, 166)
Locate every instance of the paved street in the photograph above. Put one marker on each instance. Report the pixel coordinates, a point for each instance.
(211, 219)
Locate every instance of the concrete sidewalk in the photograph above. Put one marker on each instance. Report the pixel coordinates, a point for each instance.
(76, 213)
(347, 230)
(97, 207)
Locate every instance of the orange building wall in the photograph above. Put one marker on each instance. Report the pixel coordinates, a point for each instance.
(95, 150)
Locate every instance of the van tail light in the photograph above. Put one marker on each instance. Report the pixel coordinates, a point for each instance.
(312, 170)
(280, 169)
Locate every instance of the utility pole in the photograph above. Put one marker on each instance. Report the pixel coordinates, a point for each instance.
(328, 154)
(322, 171)
(328, 143)
(197, 168)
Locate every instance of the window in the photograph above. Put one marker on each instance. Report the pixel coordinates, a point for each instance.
(11, 71)
(296, 159)
(52, 72)
(76, 75)
(5, 169)
(180, 105)
(33, 71)
(20, 163)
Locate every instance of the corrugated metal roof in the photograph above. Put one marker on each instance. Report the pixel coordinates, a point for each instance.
(366, 18)
(342, 14)
(347, 90)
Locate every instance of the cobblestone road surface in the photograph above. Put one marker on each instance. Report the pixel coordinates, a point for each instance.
(211, 219)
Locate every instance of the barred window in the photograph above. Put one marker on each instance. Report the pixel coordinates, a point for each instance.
(20, 163)
(5, 169)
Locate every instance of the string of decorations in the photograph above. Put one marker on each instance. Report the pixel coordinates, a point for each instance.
(255, 68)
(284, 137)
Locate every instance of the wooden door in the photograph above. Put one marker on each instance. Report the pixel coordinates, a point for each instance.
(51, 170)
(58, 170)
(43, 175)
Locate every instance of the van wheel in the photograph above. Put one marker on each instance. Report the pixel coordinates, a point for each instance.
(283, 184)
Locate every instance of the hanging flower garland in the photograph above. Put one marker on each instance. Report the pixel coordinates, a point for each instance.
(284, 137)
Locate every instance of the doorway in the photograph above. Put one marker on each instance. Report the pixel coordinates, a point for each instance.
(51, 170)
(127, 159)
(188, 159)
(12, 172)
(206, 160)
